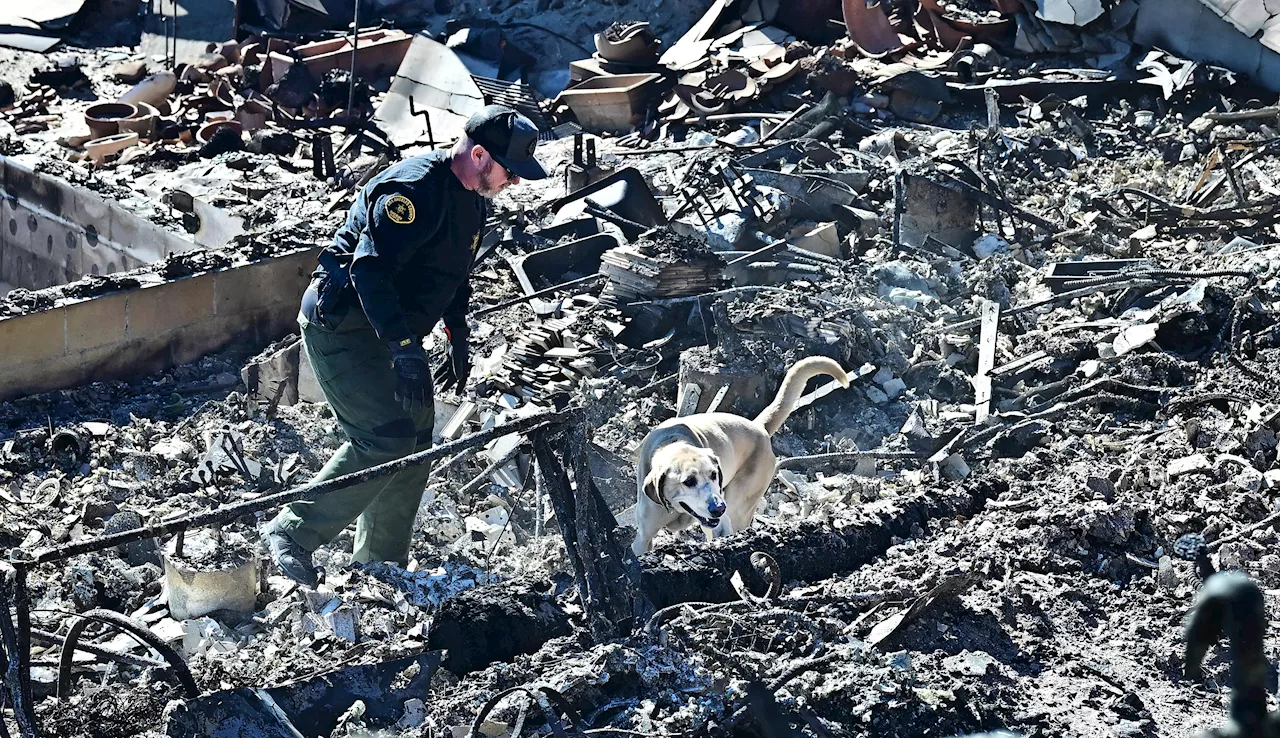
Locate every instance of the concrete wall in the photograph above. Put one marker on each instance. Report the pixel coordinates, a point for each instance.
(52, 232)
(151, 328)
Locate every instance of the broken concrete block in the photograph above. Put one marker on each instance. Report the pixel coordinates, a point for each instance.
(415, 714)
(894, 387)
(1249, 479)
(1166, 575)
(954, 468)
(1271, 478)
(823, 240)
(174, 450)
(877, 395)
(1249, 16)
(344, 621)
(1069, 12)
(1187, 465)
(137, 553)
(970, 663)
(1139, 238)
(933, 210)
(1134, 337)
(1109, 523)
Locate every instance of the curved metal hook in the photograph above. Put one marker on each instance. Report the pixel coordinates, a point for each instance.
(1231, 604)
(139, 632)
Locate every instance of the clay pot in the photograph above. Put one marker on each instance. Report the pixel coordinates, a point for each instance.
(230, 50)
(154, 89)
(637, 46)
(253, 115)
(250, 52)
(142, 123)
(100, 148)
(952, 30)
(207, 130)
(104, 118)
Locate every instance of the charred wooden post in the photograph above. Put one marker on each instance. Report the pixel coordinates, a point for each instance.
(607, 574)
(15, 632)
(627, 605)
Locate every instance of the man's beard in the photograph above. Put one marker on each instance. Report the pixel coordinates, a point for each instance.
(487, 188)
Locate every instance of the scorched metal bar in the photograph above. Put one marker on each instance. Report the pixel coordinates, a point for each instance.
(308, 491)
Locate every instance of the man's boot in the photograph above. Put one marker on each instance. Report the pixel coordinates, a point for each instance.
(291, 559)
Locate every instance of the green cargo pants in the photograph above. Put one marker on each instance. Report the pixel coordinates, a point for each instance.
(353, 367)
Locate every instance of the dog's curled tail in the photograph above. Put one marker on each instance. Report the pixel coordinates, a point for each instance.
(784, 403)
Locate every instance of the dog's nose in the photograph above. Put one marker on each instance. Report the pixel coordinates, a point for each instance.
(717, 508)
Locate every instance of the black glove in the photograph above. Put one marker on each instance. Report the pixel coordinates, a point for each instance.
(456, 367)
(413, 374)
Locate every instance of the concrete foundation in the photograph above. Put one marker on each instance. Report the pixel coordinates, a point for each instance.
(157, 326)
(53, 233)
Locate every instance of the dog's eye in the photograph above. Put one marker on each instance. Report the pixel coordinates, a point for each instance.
(691, 482)
(713, 473)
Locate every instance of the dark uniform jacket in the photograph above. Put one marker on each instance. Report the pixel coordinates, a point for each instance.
(404, 254)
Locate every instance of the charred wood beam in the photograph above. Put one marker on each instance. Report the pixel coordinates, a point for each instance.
(498, 622)
(572, 285)
(607, 574)
(806, 552)
(819, 461)
(15, 634)
(626, 606)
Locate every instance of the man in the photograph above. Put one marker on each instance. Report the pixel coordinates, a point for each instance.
(398, 265)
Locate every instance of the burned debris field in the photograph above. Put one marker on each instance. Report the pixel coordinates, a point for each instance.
(1041, 237)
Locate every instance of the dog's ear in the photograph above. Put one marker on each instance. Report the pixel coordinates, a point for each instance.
(653, 488)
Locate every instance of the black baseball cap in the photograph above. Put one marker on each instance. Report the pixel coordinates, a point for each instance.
(509, 137)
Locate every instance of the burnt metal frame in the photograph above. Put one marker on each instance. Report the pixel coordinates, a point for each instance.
(600, 595)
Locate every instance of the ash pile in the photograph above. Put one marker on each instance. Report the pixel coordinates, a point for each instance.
(1039, 236)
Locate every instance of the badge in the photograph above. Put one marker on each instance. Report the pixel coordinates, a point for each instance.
(533, 146)
(475, 243)
(400, 210)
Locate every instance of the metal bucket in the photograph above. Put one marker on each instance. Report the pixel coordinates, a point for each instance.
(195, 592)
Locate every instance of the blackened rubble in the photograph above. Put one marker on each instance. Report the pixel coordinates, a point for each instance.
(1044, 252)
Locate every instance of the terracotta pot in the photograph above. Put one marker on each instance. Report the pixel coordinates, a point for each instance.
(637, 46)
(154, 89)
(104, 118)
(250, 51)
(230, 50)
(143, 124)
(952, 30)
(208, 129)
(253, 115)
(870, 29)
(100, 148)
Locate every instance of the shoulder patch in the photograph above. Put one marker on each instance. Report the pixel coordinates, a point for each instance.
(400, 210)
